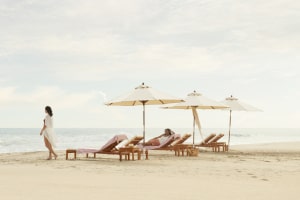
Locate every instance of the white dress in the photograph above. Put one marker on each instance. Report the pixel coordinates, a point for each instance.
(162, 139)
(49, 132)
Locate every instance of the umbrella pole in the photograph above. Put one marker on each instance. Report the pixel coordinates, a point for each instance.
(229, 129)
(200, 130)
(193, 131)
(143, 122)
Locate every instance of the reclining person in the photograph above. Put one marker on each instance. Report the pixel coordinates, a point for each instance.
(160, 139)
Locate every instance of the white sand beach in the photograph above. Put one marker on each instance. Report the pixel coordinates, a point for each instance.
(269, 171)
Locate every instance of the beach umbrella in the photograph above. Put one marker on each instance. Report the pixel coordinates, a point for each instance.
(143, 95)
(195, 101)
(236, 105)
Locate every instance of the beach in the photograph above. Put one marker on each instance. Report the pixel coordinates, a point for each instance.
(258, 171)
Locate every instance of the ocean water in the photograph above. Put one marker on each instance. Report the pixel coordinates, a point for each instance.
(29, 140)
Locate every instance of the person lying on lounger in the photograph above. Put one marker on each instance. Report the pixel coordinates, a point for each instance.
(160, 139)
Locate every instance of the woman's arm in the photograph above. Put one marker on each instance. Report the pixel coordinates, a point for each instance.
(159, 136)
(44, 127)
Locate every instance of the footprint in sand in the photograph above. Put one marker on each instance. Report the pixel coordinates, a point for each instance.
(264, 179)
(252, 175)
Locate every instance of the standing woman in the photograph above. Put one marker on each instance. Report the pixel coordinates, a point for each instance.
(48, 132)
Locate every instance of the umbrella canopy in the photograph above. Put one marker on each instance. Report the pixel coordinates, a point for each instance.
(143, 95)
(196, 101)
(237, 105)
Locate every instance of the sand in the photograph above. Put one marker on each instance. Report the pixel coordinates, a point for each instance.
(266, 171)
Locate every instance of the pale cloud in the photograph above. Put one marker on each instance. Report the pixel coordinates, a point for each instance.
(7, 95)
(144, 61)
(46, 95)
(104, 96)
(73, 54)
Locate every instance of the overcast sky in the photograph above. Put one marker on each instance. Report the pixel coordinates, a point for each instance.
(74, 55)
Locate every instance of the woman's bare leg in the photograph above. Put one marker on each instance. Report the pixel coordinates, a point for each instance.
(153, 142)
(49, 146)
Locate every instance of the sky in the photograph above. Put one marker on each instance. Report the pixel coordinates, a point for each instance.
(75, 55)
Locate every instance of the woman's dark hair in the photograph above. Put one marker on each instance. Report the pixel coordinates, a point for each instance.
(49, 110)
(169, 131)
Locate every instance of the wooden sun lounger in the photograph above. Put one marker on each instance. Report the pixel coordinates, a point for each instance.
(171, 145)
(215, 145)
(130, 148)
(162, 146)
(175, 145)
(210, 141)
(108, 148)
(207, 140)
(181, 140)
(134, 141)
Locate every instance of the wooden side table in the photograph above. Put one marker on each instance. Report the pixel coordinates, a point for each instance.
(125, 153)
(70, 151)
(216, 146)
(181, 148)
(192, 151)
(130, 150)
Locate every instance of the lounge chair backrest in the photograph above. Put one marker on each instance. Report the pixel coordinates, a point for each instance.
(208, 138)
(112, 143)
(216, 138)
(180, 140)
(169, 140)
(134, 141)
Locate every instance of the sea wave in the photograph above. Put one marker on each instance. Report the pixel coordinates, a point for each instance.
(24, 140)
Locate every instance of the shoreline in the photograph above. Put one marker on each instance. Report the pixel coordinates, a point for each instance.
(256, 172)
(287, 146)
